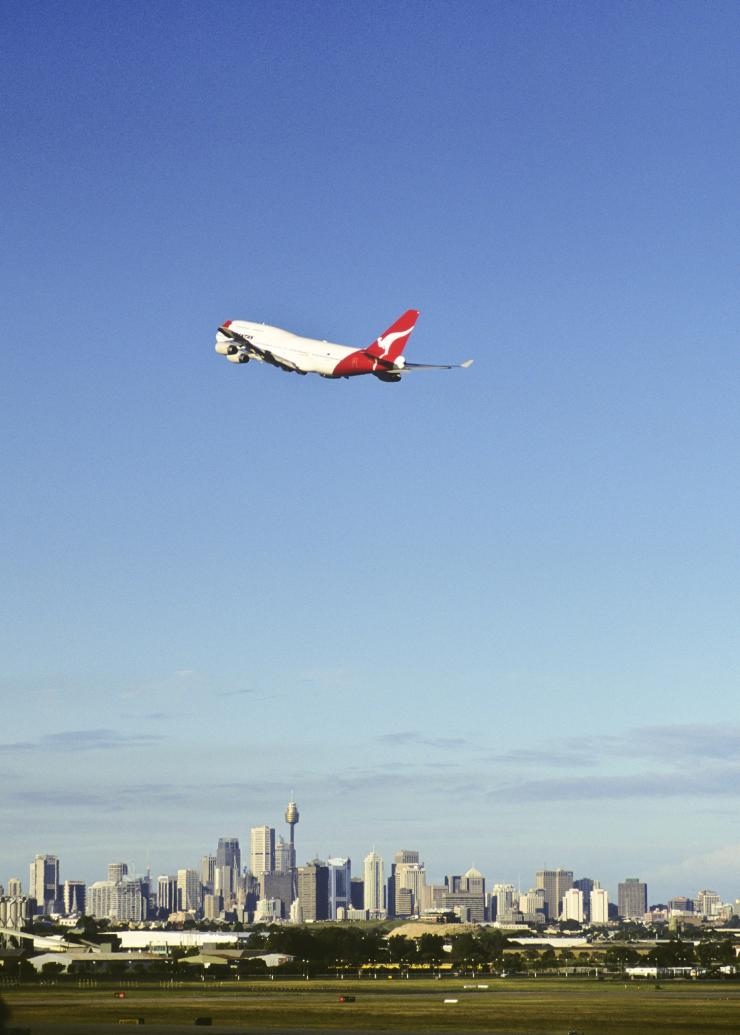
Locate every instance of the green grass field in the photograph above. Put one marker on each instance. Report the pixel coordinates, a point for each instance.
(545, 1007)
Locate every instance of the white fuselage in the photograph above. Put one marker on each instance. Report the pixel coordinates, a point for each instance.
(308, 354)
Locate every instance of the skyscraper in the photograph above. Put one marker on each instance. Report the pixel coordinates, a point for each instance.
(632, 898)
(573, 905)
(43, 883)
(167, 893)
(208, 873)
(227, 869)
(374, 880)
(340, 885)
(504, 904)
(188, 891)
(599, 906)
(313, 890)
(262, 854)
(555, 883)
(117, 871)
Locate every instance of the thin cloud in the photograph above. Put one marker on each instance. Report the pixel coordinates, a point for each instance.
(82, 740)
(724, 781)
(404, 737)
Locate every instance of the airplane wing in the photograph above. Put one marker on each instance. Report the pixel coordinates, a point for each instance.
(393, 369)
(265, 355)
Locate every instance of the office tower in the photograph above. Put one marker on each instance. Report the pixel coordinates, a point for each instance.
(573, 905)
(227, 869)
(313, 890)
(408, 873)
(188, 891)
(340, 877)
(503, 906)
(465, 895)
(262, 844)
(357, 893)
(228, 853)
(283, 855)
(74, 896)
(555, 883)
(374, 884)
(278, 887)
(632, 899)
(404, 902)
(117, 871)
(532, 906)
(15, 889)
(708, 903)
(473, 882)
(43, 883)
(167, 893)
(599, 906)
(405, 856)
(212, 907)
(208, 873)
(681, 904)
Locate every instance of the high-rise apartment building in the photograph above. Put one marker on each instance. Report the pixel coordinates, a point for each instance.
(374, 884)
(599, 906)
(43, 883)
(262, 850)
(632, 899)
(573, 905)
(117, 900)
(117, 871)
(15, 888)
(312, 882)
(586, 885)
(74, 896)
(554, 883)
(708, 903)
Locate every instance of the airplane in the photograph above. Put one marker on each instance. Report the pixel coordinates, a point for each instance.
(240, 341)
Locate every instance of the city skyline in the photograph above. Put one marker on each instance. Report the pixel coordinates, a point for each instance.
(258, 847)
(325, 890)
(491, 615)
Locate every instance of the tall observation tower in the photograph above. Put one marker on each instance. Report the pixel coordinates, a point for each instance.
(292, 816)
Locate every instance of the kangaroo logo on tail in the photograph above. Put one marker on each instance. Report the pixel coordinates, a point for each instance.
(392, 342)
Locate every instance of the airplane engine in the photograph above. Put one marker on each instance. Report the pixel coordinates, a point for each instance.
(243, 357)
(238, 357)
(231, 350)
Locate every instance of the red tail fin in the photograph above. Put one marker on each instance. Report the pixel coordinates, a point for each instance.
(392, 342)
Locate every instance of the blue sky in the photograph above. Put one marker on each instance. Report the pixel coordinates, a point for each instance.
(490, 614)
